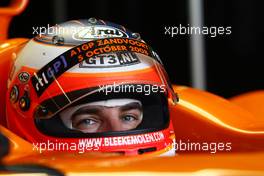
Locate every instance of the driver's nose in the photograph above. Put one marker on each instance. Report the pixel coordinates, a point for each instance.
(111, 120)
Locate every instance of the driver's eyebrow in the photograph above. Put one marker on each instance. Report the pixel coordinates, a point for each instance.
(87, 110)
(130, 106)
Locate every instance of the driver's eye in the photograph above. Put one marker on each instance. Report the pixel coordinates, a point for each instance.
(128, 118)
(87, 122)
(83, 123)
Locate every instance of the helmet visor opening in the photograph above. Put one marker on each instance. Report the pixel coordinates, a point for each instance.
(97, 114)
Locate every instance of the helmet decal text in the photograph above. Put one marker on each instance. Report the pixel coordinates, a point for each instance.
(47, 74)
(117, 59)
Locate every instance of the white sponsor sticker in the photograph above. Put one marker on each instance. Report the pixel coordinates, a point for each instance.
(98, 32)
(118, 59)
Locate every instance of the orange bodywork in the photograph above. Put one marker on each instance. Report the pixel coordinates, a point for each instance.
(198, 117)
(7, 13)
(252, 102)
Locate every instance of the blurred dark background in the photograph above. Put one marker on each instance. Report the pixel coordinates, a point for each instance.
(233, 62)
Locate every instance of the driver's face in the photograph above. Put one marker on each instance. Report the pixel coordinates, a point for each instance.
(96, 118)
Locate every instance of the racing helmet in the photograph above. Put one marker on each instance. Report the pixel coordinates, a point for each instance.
(91, 85)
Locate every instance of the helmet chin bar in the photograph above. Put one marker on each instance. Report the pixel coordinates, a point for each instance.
(124, 142)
